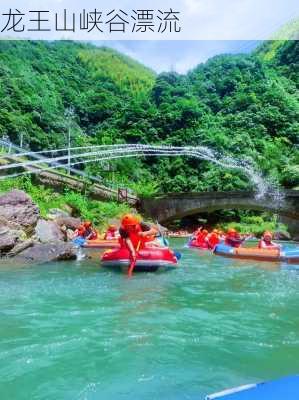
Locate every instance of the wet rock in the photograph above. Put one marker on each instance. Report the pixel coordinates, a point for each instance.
(48, 231)
(8, 240)
(20, 247)
(16, 207)
(281, 235)
(46, 252)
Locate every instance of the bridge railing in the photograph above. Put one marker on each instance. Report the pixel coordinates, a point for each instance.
(11, 147)
(236, 194)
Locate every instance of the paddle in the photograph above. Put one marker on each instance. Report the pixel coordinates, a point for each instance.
(133, 262)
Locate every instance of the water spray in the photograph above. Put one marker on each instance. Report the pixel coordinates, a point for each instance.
(113, 152)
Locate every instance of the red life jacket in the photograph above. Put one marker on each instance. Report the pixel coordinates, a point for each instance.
(91, 233)
(80, 231)
(136, 240)
(109, 235)
(213, 240)
(233, 241)
(200, 240)
(94, 235)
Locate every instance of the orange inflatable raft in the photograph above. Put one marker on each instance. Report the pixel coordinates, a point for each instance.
(290, 255)
(101, 244)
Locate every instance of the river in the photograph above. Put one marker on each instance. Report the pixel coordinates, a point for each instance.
(76, 331)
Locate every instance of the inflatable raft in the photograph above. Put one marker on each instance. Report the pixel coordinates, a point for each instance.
(194, 244)
(282, 389)
(101, 244)
(290, 255)
(148, 259)
(96, 244)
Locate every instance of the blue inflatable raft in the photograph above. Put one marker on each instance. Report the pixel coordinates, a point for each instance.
(289, 255)
(282, 389)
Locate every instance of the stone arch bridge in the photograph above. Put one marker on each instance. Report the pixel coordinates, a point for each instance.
(169, 207)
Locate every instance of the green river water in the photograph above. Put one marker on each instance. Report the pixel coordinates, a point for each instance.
(77, 331)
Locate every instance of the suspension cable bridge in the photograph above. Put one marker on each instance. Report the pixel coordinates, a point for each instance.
(30, 162)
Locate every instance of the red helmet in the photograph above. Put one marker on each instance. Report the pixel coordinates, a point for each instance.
(129, 220)
(87, 224)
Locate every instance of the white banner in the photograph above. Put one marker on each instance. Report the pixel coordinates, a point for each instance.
(149, 20)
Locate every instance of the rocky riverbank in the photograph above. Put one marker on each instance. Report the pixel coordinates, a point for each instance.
(27, 237)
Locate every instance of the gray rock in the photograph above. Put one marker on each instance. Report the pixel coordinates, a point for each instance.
(281, 235)
(46, 252)
(48, 231)
(69, 222)
(55, 213)
(8, 240)
(11, 225)
(17, 207)
(20, 247)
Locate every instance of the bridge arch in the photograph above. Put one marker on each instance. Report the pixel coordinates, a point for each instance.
(178, 205)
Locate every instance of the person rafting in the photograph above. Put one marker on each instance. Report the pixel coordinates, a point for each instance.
(79, 232)
(90, 233)
(233, 238)
(221, 236)
(135, 233)
(266, 242)
(212, 239)
(161, 240)
(111, 233)
(200, 238)
(86, 231)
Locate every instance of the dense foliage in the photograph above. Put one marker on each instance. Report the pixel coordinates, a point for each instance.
(81, 205)
(240, 105)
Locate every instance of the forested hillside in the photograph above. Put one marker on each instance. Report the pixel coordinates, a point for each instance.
(241, 105)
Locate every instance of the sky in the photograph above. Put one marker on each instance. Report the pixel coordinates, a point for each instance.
(179, 56)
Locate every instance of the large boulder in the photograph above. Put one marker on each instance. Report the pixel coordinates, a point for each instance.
(48, 231)
(4, 223)
(46, 252)
(19, 247)
(8, 240)
(16, 207)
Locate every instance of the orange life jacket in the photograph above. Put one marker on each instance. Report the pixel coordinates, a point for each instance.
(136, 240)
